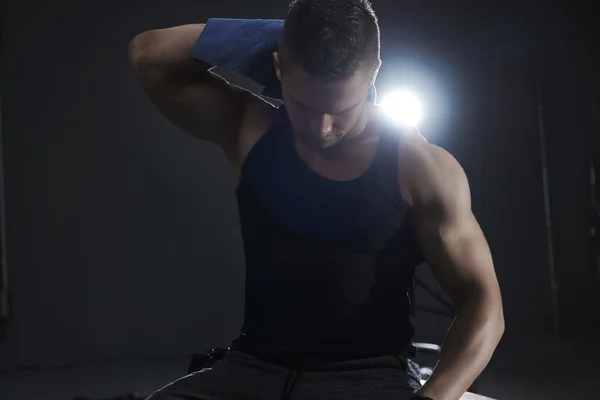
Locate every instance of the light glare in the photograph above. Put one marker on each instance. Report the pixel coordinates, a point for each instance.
(403, 107)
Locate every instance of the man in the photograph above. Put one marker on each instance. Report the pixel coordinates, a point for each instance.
(337, 207)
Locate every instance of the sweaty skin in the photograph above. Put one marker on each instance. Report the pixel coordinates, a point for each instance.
(336, 132)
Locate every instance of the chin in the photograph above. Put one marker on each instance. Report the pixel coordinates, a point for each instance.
(322, 144)
(329, 143)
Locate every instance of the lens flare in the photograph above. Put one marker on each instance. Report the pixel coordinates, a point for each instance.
(403, 107)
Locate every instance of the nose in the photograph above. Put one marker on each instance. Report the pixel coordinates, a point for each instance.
(322, 125)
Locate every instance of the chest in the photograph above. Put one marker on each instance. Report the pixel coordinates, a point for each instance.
(347, 164)
(297, 201)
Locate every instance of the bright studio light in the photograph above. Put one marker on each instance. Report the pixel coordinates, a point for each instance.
(403, 107)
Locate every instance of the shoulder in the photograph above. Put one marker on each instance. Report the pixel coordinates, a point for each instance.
(427, 172)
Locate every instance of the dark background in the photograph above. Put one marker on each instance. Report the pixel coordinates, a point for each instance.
(122, 231)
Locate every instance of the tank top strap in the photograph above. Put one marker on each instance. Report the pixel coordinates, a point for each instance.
(386, 164)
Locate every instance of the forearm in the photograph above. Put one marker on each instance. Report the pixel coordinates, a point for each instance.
(467, 349)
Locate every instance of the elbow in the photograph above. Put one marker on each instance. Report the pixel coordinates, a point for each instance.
(144, 59)
(495, 320)
(141, 50)
(486, 307)
(501, 323)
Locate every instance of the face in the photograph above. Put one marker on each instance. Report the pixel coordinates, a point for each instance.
(323, 112)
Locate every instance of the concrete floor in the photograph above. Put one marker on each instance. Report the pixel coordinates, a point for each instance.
(544, 370)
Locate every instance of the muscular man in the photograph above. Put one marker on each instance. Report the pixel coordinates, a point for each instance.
(337, 206)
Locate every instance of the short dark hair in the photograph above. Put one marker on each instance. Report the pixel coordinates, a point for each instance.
(331, 39)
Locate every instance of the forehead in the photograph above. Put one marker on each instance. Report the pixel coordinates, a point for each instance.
(327, 96)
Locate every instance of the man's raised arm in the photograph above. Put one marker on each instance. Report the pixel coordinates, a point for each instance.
(182, 87)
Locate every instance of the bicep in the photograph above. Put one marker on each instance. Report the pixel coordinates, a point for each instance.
(184, 89)
(208, 108)
(457, 253)
(450, 236)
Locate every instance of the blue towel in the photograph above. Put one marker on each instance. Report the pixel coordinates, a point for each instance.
(246, 46)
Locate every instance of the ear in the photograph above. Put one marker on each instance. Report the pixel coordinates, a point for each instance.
(378, 65)
(277, 64)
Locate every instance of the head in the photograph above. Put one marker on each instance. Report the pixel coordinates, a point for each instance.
(328, 56)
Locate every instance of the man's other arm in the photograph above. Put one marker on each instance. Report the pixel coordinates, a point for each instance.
(457, 252)
(185, 91)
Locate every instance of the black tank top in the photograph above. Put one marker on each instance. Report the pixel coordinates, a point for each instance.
(329, 264)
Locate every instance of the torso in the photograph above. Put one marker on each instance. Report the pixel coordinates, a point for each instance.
(328, 243)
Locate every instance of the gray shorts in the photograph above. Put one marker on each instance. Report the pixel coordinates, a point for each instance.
(240, 376)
